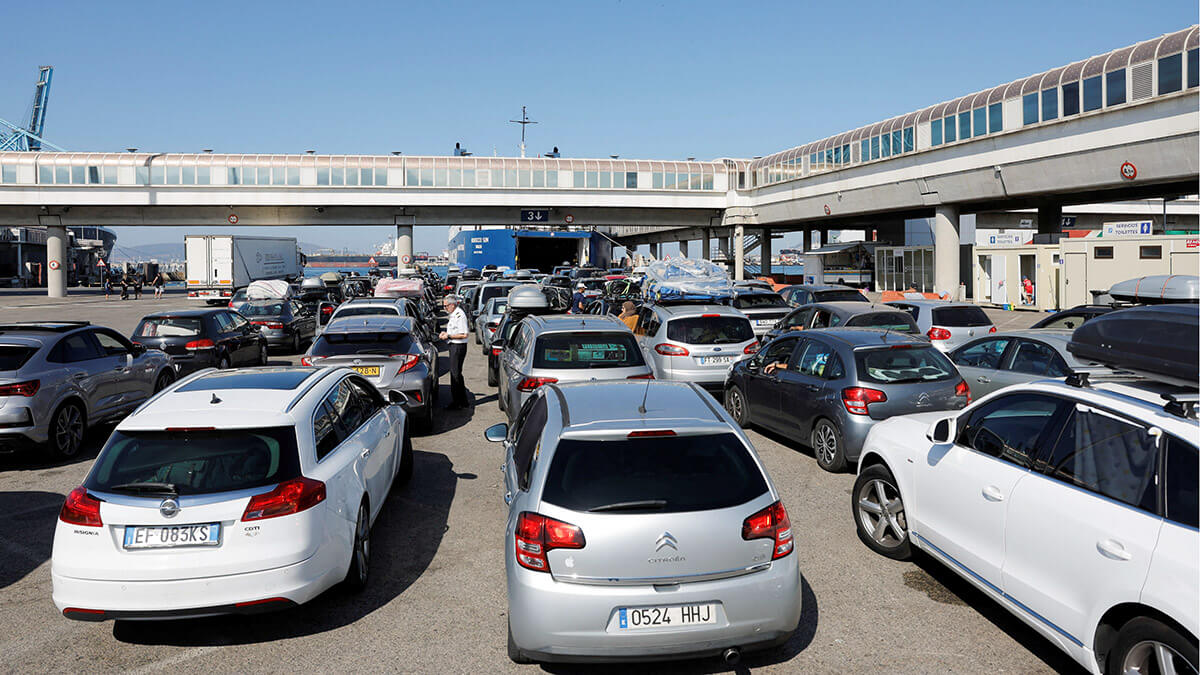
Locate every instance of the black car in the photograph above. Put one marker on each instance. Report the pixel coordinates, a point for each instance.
(804, 294)
(1073, 318)
(284, 323)
(202, 338)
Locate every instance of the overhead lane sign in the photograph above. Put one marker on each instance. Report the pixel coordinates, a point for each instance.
(535, 215)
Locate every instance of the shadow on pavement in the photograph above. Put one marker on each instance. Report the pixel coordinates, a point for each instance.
(39, 458)
(404, 540)
(26, 532)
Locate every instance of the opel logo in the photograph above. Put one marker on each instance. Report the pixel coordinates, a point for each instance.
(168, 508)
(666, 539)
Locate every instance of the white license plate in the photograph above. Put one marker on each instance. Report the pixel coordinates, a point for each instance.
(172, 536)
(764, 322)
(676, 616)
(714, 360)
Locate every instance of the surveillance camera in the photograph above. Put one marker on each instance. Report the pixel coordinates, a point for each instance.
(320, 209)
(66, 209)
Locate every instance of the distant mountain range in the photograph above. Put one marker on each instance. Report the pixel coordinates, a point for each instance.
(168, 251)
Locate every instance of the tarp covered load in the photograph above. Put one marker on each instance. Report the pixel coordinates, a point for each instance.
(399, 288)
(1158, 288)
(268, 289)
(686, 279)
(331, 277)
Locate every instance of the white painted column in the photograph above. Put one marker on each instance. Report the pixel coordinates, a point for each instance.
(945, 251)
(706, 245)
(56, 261)
(656, 251)
(404, 244)
(739, 252)
(683, 249)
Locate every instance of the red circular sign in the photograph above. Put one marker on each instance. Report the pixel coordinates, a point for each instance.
(827, 210)
(233, 219)
(1128, 171)
(54, 264)
(406, 259)
(570, 219)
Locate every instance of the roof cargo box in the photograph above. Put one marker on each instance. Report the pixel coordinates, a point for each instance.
(1161, 342)
(686, 280)
(1158, 289)
(527, 296)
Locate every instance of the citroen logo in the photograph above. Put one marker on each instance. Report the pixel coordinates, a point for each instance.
(168, 508)
(666, 539)
(923, 400)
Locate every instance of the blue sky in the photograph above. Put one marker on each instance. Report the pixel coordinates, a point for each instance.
(639, 79)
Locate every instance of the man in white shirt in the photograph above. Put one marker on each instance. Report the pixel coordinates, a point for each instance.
(456, 333)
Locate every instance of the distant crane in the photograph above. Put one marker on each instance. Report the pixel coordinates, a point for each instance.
(29, 137)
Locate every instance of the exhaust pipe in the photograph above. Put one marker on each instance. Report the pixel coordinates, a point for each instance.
(732, 656)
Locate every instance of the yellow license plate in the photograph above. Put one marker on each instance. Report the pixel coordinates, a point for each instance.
(369, 371)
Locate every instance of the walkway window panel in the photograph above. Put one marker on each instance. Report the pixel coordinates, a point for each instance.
(62, 175)
(468, 177)
(1170, 74)
(579, 179)
(605, 179)
(885, 144)
(1049, 104)
(908, 139)
(1029, 109)
(1070, 103)
(204, 175)
(412, 176)
(707, 183)
(380, 176)
(427, 177)
(694, 181)
(935, 132)
(8, 173)
(142, 174)
(1093, 88)
(950, 130)
(78, 176)
(657, 180)
(264, 175)
(188, 177)
(631, 180)
(875, 147)
(837, 155)
(109, 175)
(233, 177)
(995, 118)
(172, 175)
(979, 128)
(964, 125)
(322, 175)
(846, 152)
(552, 178)
(1193, 68)
(510, 178)
(1114, 85)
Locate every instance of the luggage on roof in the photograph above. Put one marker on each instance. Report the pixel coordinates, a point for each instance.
(1158, 288)
(1161, 342)
(685, 279)
(268, 289)
(399, 288)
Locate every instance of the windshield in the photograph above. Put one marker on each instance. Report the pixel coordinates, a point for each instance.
(904, 364)
(346, 344)
(264, 309)
(898, 321)
(489, 292)
(593, 284)
(710, 330)
(499, 306)
(197, 462)
(13, 357)
(167, 326)
(960, 317)
(667, 474)
(759, 301)
(569, 351)
(839, 295)
(366, 310)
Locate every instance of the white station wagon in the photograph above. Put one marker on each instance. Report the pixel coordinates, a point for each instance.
(231, 492)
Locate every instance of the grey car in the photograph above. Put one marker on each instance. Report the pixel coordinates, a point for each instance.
(284, 323)
(947, 324)
(763, 308)
(59, 378)
(799, 295)
(1013, 357)
(694, 343)
(488, 321)
(389, 352)
(845, 315)
(641, 525)
(389, 307)
(561, 348)
(830, 386)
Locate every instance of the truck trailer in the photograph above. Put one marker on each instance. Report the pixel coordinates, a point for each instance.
(218, 265)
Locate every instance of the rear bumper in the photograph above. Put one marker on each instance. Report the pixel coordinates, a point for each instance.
(185, 364)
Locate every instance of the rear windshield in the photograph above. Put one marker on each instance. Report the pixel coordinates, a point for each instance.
(13, 357)
(667, 474)
(898, 321)
(267, 309)
(195, 462)
(759, 301)
(892, 365)
(956, 317)
(500, 306)
(345, 344)
(367, 310)
(593, 284)
(841, 295)
(490, 292)
(586, 350)
(710, 330)
(168, 326)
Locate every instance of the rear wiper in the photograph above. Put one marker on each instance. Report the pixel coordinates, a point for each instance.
(149, 488)
(631, 506)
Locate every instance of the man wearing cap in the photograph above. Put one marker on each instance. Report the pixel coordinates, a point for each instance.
(456, 333)
(577, 300)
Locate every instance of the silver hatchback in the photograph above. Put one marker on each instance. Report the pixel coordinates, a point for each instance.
(695, 343)
(641, 525)
(947, 324)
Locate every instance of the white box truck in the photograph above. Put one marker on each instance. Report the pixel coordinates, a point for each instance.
(218, 265)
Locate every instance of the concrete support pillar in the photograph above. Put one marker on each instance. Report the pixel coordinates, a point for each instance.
(656, 251)
(764, 250)
(56, 261)
(1049, 219)
(706, 245)
(805, 240)
(725, 245)
(945, 251)
(683, 249)
(404, 244)
(739, 252)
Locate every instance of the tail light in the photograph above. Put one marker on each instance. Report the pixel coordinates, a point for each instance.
(856, 399)
(647, 376)
(992, 329)
(447, 288)
(771, 523)
(81, 509)
(491, 329)
(327, 309)
(293, 496)
(936, 333)
(751, 348)
(531, 383)
(496, 351)
(410, 360)
(273, 325)
(670, 350)
(963, 389)
(193, 294)
(537, 535)
(26, 389)
(652, 433)
(201, 344)
(310, 360)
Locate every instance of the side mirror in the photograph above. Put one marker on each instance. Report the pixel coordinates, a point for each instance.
(941, 431)
(139, 349)
(396, 397)
(496, 433)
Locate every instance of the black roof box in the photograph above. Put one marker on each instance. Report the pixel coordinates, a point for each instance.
(1161, 342)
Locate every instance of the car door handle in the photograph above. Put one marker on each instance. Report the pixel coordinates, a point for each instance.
(812, 387)
(1111, 548)
(983, 380)
(79, 376)
(366, 453)
(993, 494)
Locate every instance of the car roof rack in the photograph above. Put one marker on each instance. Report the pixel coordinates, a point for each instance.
(43, 326)
(1181, 402)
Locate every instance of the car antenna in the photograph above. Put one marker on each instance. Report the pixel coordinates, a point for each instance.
(642, 407)
(214, 399)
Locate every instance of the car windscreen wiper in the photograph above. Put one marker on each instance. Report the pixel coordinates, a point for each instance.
(647, 504)
(148, 487)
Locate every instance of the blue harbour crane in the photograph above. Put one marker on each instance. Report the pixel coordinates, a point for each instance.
(28, 137)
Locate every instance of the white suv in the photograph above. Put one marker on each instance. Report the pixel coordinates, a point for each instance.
(231, 492)
(1073, 505)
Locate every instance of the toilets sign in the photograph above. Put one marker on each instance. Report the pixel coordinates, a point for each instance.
(1132, 228)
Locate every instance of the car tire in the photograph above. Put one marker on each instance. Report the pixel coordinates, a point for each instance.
(164, 380)
(263, 356)
(827, 446)
(425, 422)
(360, 551)
(492, 381)
(500, 399)
(223, 362)
(514, 652)
(870, 509)
(735, 403)
(67, 427)
(404, 472)
(296, 342)
(1143, 642)
(477, 340)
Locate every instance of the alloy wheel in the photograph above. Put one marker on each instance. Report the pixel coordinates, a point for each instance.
(825, 444)
(881, 513)
(68, 431)
(735, 404)
(362, 544)
(1153, 657)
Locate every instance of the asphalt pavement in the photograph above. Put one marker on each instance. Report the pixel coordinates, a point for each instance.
(436, 599)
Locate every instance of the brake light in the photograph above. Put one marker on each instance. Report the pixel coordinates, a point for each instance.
(856, 399)
(992, 329)
(274, 326)
(963, 389)
(327, 309)
(936, 333)
(189, 429)
(670, 350)
(410, 360)
(496, 351)
(201, 344)
(771, 523)
(537, 535)
(310, 360)
(81, 509)
(293, 496)
(710, 316)
(491, 329)
(751, 348)
(20, 388)
(656, 433)
(531, 383)
(647, 376)
(447, 288)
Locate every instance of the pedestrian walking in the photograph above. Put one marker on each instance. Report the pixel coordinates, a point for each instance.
(578, 299)
(137, 287)
(108, 289)
(456, 333)
(124, 288)
(159, 283)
